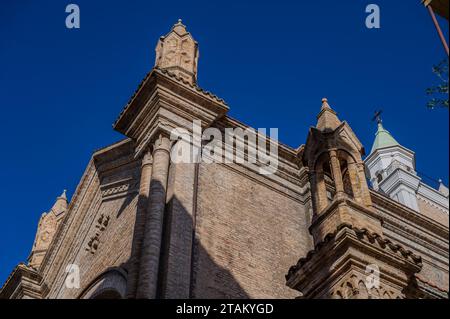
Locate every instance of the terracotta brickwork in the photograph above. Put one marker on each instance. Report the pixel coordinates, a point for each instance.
(246, 231)
(140, 225)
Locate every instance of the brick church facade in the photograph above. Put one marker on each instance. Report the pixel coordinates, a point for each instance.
(140, 225)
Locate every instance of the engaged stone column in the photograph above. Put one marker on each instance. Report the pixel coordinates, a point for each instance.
(318, 186)
(151, 246)
(139, 226)
(337, 174)
(355, 181)
(365, 193)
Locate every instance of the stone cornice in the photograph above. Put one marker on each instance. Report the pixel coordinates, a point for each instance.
(398, 178)
(409, 214)
(125, 143)
(429, 244)
(349, 236)
(429, 285)
(301, 194)
(289, 154)
(24, 281)
(331, 208)
(381, 151)
(433, 197)
(150, 81)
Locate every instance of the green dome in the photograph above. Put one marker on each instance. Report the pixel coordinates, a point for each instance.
(383, 139)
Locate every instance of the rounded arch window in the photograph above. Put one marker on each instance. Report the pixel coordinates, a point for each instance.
(349, 179)
(379, 177)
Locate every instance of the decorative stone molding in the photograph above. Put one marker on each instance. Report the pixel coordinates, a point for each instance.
(336, 266)
(363, 235)
(24, 282)
(119, 188)
(94, 241)
(403, 212)
(433, 197)
(356, 287)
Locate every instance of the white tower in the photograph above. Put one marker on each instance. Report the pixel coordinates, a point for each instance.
(391, 169)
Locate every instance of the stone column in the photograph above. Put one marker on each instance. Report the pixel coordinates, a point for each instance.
(319, 190)
(337, 174)
(355, 181)
(139, 226)
(151, 246)
(313, 190)
(365, 193)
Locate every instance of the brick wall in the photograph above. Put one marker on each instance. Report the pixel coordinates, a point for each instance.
(248, 235)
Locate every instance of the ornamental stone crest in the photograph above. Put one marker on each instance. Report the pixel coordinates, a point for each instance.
(178, 52)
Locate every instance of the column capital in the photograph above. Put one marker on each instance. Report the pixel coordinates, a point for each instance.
(360, 165)
(162, 143)
(333, 152)
(147, 159)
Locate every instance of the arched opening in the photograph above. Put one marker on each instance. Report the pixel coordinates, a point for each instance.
(346, 179)
(323, 182)
(350, 175)
(337, 172)
(109, 285)
(379, 177)
(328, 178)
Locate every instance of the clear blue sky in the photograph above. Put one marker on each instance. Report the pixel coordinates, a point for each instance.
(60, 89)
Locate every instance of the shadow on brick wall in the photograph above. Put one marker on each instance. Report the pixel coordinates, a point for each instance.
(186, 269)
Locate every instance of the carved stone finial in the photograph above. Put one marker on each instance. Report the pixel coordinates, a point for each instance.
(177, 52)
(325, 104)
(64, 194)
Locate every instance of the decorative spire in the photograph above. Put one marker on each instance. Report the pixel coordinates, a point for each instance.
(178, 53)
(327, 119)
(64, 195)
(48, 224)
(383, 138)
(60, 205)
